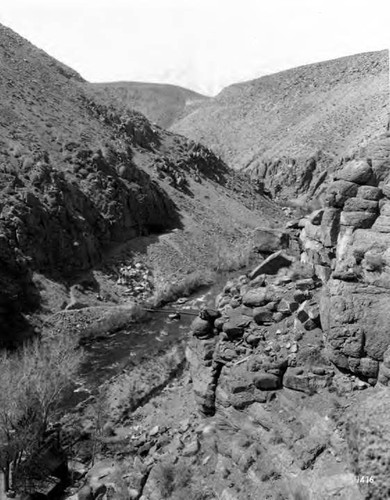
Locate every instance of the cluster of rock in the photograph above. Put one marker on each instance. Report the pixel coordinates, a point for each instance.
(137, 280)
(146, 450)
(167, 170)
(199, 161)
(259, 338)
(289, 177)
(255, 341)
(348, 244)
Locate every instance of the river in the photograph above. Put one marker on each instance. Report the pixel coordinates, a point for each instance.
(111, 355)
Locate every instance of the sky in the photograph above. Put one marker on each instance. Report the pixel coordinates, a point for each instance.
(204, 45)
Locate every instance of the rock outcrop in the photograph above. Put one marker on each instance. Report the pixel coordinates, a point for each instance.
(311, 320)
(252, 346)
(334, 291)
(264, 355)
(348, 246)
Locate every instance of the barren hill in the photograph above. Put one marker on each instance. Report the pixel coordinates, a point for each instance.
(160, 103)
(79, 177)
(280, 126)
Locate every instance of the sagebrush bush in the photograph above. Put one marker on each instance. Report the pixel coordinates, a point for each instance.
(165, 291)
(231, 257)
(113, 319)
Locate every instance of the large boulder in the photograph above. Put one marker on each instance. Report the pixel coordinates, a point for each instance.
(255, 298)
(236, 388)
(359, 219)
(355, 319)
(235, 326)
(357, 171)
(201, 328)
(369, 251)
(272, 264)
(360, 205)
(262, 315)
(338, 193)
(298, 379)
(378, 151)
(369, 193)
(268, 240)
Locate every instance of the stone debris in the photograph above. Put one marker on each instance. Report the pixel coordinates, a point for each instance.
(137, 279)
(241, 339)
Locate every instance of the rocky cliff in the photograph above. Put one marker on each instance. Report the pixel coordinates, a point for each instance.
(311, 319)
(68, 182)
(348, 243)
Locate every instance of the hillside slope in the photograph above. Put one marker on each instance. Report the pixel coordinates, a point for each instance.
(79, 177)
(161, 103)
(285, 126)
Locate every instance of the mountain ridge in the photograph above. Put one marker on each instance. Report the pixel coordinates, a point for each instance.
(79, 175)
(161, 103)
(327, 109)
(308, 117)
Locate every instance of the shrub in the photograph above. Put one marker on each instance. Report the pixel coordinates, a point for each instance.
(165, 291)
(231, 257)
(113, 319)
(33, 381)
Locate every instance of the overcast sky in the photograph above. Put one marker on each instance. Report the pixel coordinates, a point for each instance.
(201, 44)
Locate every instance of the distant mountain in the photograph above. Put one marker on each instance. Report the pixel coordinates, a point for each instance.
(162, 104)
(279, 126)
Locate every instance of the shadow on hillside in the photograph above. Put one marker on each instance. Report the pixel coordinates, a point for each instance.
(15, 328)
(70, 238)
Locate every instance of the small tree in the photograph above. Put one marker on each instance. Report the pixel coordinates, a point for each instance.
(33, 382)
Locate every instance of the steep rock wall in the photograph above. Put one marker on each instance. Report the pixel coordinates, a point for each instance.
(348, 244)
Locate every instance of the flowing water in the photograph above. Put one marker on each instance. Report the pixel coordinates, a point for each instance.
(111, 355)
